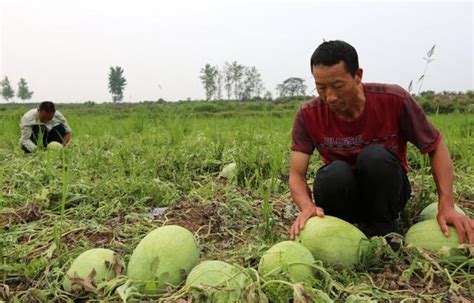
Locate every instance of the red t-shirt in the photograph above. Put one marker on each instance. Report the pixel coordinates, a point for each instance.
(390, 117)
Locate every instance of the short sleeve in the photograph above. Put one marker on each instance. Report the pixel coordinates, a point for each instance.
(416, 128)
(300, 139)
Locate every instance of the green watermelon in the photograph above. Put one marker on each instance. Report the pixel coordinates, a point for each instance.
(217, 282)
(332, 240)
(55, 146)
(428, 235)
(288, 261)
(164, 257)
(96, 265)
(289, 257)
(229, 171)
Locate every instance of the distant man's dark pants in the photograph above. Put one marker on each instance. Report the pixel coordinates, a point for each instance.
(373, 194)
(56, 134)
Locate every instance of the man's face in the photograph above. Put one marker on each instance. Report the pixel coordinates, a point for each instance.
(45, 116)
(336, 86)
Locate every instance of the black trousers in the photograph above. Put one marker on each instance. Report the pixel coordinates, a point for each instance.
(40, 131)
(372, 195)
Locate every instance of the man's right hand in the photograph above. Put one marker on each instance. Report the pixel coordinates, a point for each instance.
(303, 217)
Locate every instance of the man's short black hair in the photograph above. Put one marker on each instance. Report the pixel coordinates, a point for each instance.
(330, 53)
(47, 106)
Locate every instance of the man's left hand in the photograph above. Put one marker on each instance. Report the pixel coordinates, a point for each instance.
(463, 224)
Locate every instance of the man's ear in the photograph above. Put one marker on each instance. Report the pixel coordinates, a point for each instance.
(358, 75)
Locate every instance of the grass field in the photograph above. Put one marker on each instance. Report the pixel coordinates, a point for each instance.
(125, 160)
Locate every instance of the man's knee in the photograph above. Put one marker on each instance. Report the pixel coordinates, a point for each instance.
(60, 129)
(374, 152)
(335, 190)
(333, 180)
(338, 173)
(376, 158)
(38, 130)
(57, 134)
(39, 134)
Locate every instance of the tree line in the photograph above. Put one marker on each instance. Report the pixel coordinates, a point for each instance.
(231, 81)
(234, 81)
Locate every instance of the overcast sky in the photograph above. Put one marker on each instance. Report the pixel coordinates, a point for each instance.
(65, 48)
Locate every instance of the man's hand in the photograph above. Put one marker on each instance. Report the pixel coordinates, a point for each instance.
(303, 217)
(442, 170)
(463, 224)
(66, 138)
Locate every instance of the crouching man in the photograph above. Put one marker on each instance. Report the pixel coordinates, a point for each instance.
(43, 126)
(361, 131)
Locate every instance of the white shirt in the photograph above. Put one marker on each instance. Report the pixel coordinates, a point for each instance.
(30, 119)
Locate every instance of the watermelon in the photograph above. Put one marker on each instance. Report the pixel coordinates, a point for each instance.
(216, 281)
(332, 240)
(55, 146)
(428, 235)
(164, 257)
(289, 257)
(95, 265)
(229, 171)
(290, 261)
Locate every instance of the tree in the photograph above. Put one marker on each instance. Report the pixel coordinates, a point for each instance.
(209, 80)
(268, 96)
(237, 71)
(24, 92)
(117, 83)
(7, 90)
(227, 77)
(292, 87)
(219, 84)
(252, 84)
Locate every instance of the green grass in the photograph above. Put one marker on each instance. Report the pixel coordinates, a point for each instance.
(125, 160)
